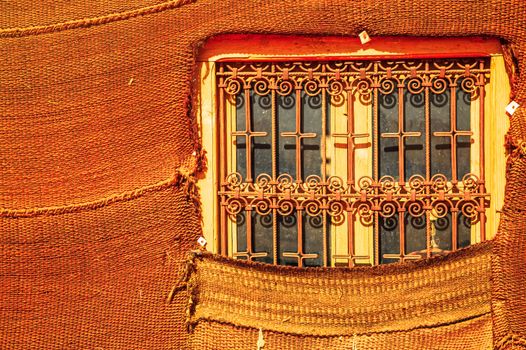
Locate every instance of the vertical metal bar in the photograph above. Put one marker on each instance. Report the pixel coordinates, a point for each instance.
(298, 131)
(427, 108)
(299, 213)
(481, 152)
(350, 131)
(350, 177)
(350, 239)
(249, 234)
(481, 122)
(401, 224)
(248, 138)
(454, 174)
(454, 229)
(401, 141)
(324, 169)
(223, 240)
(453, 121)
(274, 150)
(323, 134)
(428, 233)
(375, 173)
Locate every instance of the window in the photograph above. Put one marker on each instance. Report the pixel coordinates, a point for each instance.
(351, 159)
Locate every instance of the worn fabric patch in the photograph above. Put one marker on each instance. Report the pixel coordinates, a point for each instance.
(447, 294)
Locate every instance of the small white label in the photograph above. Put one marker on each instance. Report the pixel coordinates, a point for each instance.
(261, 342)
(512, 107)
(201, 241)
(364, 37)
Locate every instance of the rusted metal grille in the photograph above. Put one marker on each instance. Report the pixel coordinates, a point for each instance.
(390, 192)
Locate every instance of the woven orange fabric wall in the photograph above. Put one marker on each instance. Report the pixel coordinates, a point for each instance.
(97, 203)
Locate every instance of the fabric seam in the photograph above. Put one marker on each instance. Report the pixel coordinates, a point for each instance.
(93, 21)
(178, 180)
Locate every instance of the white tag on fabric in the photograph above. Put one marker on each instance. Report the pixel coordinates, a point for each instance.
(261, 342)
(364, 37)
(512, 107)
(202, 241)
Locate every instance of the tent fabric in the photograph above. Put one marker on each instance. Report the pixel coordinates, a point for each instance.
(100, 153)
(474, 334)
(384, 305)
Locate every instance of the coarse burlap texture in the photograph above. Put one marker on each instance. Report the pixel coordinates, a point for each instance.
(440, 301)
(99, 155)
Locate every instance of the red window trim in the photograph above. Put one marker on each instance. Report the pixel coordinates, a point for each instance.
(250, 47)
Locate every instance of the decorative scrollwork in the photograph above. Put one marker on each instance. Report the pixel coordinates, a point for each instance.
(263, 181)
(470, 182)
(415, 85)
(439, 85)
(232, 86)
(285, 181)
(468, 84)
(359, 77)
(335, 197)
(234, 180)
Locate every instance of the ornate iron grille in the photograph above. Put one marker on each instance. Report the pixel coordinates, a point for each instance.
(271, 115)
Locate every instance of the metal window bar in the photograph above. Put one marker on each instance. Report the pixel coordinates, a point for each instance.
(371, 198)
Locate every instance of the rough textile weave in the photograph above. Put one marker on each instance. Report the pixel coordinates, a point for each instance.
(384, 303)
(472, 334)
(95, 121)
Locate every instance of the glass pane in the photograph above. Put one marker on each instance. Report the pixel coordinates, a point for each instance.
(388, 147)
(241, 146)
(414, 120)
(443, 231)
(241, 237)
(286, 114)
(389, 238)
(288, 238)
(415, 234)
(464, 231)
(241, 168)
(262, 236)
(463, 142)
(262, 121)
(313, 239)
(311, 123)
(440, 122)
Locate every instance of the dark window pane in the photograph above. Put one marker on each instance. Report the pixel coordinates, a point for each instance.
(464, 231)
(463, 110)
(463, 142)
(414, 120)
(241, 223)
(286, 114)
(262, 236)
(262, 121)
(415, 233)
(311, 123)
(288, 238)
(313, 239)
(443, 230)
(241, 159)
(389, 238)
(388, 147)
(440, 107)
